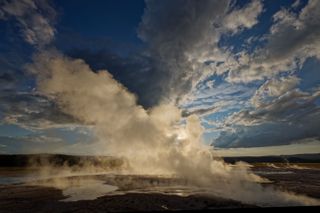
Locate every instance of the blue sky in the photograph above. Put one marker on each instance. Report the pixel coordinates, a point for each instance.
(248, 69)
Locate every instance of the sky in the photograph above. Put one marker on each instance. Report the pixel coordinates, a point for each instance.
(247, 69)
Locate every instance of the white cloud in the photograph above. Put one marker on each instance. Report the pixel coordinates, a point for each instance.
(295, 35)
(243, 18)
(274, 88)
(292, 39)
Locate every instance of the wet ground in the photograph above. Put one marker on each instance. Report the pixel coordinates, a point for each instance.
(301, 180)
(114, 193)
(131, 194)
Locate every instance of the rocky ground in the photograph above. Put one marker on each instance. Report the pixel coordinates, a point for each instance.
(301, 181)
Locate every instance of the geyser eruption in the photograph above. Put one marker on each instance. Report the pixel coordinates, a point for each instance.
(154, 141)
(181, 36)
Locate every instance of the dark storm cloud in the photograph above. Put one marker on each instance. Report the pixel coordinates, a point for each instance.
(165, 69)
(174, 31)
(178, 38)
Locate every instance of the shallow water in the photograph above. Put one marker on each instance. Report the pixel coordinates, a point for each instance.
(87, 190)
(14, 180)
(273, 172)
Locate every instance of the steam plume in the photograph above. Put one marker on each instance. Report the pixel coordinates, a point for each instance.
(153, 141)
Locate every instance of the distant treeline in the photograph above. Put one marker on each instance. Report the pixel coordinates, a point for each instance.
(38, 160)
(301, 158)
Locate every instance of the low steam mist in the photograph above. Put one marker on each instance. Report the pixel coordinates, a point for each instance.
(153, 142)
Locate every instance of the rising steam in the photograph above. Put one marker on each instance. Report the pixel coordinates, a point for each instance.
(153, 141)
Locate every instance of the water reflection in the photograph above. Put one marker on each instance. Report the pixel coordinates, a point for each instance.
(87, 190)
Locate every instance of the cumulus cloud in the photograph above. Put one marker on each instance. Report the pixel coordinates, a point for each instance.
(274, 88)
(292, 39)
(277, 106)
(295, 35)
(35, 19)
(243, 18)
(294, 113)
